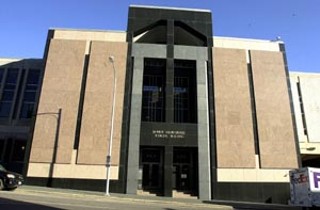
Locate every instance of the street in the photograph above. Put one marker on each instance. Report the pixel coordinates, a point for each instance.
(43, 198)
(27, 199)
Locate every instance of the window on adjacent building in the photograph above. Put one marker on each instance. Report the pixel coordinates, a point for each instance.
(304, 122)
(18, 151)
(1, 75)
(5, 108)
(153, 97)
(185, 91)
(2, 145)
(8, 92)
(30, 93)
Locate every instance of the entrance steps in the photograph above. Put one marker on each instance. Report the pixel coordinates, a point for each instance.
(175, 194)
(183, 194)
(149, 192)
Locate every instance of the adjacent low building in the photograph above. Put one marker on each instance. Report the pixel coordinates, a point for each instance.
(195, 114)
(306, 102)
(19, 89)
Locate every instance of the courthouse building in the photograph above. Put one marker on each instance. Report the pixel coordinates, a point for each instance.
(195, 114)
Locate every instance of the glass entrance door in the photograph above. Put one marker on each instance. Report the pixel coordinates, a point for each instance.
(184, 173)
(182, 177)
(150, 176)
(152, 168)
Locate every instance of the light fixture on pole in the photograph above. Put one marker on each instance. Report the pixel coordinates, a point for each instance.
(111, 60)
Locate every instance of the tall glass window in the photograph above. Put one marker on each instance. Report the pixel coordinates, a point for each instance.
(29, 95)
(8, 92)
(1, 78)
(185, 91)
(18, 150)
(1, 75)
(2, 145)
(153, 97)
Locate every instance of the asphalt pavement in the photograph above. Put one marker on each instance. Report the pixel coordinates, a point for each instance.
(33, 197)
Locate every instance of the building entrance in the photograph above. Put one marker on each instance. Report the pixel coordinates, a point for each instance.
(181, 173)
(184, 172)
(151, 164)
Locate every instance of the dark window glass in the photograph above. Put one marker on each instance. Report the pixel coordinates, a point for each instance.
(29, 96)
(12, 76)
(304, 122)
(11, 92)
(27, 110)
(1, 74)
(10, 86)
(182, 156)
(33, 77)
(30, 93)
(5, 108)
(32, 87)
(153, 103)
(19, 149)
(185, 91)
(2, 143)
(7, 95)
(8, 92)
(151, 156)
(18, 93)
(8, 150)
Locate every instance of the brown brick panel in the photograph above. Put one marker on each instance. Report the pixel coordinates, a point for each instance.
(234, 128)
(275, 129)
(96, 118)
(61, 89)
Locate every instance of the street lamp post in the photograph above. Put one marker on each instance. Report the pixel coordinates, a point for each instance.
(111, 60)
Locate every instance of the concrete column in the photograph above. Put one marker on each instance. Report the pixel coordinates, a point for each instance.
(203, 132)
(134, 134)
(168, 161)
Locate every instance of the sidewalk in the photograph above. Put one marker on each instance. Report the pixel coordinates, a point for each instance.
(219, 204)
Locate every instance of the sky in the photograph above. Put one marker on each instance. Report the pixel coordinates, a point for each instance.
(24, 24)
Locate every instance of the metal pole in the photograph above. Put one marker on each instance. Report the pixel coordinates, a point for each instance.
(111, 59)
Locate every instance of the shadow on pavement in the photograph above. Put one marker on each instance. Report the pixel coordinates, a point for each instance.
(254, 206)
(9, 204)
